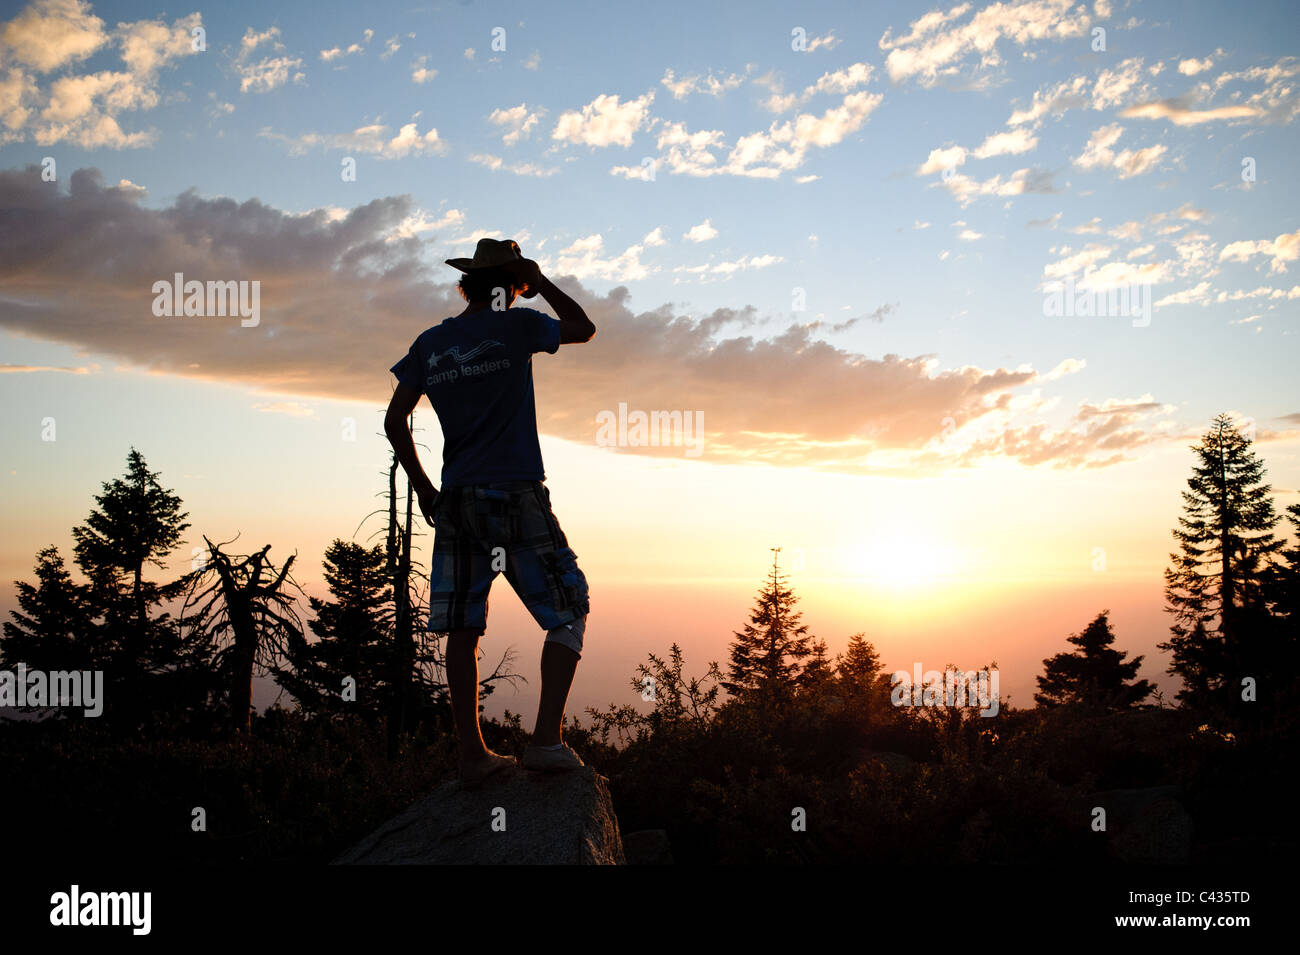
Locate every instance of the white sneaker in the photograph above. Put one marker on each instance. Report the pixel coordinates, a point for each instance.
(547, 760)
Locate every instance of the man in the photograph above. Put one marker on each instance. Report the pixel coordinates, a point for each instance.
(493, 512)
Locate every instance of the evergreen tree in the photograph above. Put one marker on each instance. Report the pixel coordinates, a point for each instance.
(1095, 674)
(819, 672)
(766, 657)
(52, 628)
(860, 676)
(148, 661)
(354, 635)
(1216, 586)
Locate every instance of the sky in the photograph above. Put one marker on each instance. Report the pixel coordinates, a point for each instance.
(877, 253)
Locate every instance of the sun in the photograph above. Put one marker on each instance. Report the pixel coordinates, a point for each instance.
(901, 560)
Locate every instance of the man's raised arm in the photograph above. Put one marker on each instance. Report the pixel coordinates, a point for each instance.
(575, 326)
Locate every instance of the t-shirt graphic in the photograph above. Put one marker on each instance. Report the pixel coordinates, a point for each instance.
(477, 371)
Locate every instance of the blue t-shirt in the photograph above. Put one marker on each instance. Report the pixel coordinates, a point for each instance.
(477, 370)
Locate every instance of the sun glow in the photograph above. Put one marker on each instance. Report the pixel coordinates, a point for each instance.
(902, 560)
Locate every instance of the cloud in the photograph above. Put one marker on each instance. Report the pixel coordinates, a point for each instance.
(713, 86)
(949, 157)
(1009, 143)
(655, 237)
(1191, 67)
(49, 34)
(1100, 435)
(1111, 88)
(830, 41)
(372, 140)
(604, 121)
(1128, 162)
(836, 81)
(518, 168)
(420, 71)
(937, 44)
(80, 272)
(1285, 248)
(84, 108)
(517, 120)
(269, 72)
(765, 154)
(585, 258)
(1179, 113)
(701, 233)
(966, 189)
(1198, 294)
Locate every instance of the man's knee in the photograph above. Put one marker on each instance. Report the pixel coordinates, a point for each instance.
(569, 634)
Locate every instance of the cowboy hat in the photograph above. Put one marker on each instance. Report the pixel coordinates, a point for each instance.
(488, 254)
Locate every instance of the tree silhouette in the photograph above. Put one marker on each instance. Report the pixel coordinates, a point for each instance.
(52, 629)
(1216, 586)
(353, 631)
(766, 657)
(149, 662)
(679, 701)
(861, 678)
(249, 619)
(1095, 674)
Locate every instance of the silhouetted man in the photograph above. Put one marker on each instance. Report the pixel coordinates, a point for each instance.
(493, 513)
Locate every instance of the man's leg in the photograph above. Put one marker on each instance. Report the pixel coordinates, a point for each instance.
(476, 760)
(558, 666)
(462, 681)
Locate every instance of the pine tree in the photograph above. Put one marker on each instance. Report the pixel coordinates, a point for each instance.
(1095, 674)
(148, 660)
(1216, 586)
(861, 678)
(766, 657)
(354, 632)
(52, 630)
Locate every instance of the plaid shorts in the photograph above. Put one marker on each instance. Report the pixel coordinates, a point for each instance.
(507, 527)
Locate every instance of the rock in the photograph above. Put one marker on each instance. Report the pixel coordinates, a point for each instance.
(1146, 826)
(648, 847)
(516, 818)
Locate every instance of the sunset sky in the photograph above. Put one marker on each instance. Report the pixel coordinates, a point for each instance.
(839, 255)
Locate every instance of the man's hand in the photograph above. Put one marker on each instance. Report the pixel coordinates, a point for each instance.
(529, 275)
(428, 498)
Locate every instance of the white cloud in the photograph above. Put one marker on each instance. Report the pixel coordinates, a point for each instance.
(1285, 248)
(701, 233)
(604, 121)
(269, 72)
(713, 86)
(936, 45)
(420, 71)
(518, 120)
(1191, 67)
(765, 154)
(1009, 143)
(655, 237)
(1128, 162)
(518, 168)
(49, 34)
(1197, 295)
(585, 259)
